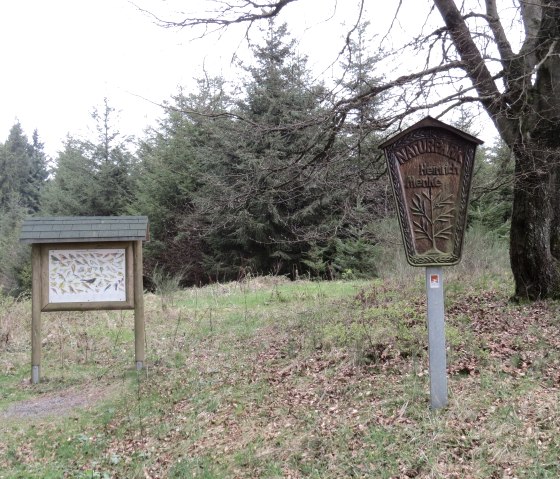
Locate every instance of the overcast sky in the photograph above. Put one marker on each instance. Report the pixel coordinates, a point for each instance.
(62, 57)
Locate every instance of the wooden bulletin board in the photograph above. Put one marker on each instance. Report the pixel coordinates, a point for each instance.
(86, 263)
(87, 276)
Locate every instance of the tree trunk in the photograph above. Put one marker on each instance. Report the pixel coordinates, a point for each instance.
(533, 230)
(527, 117)
(555, 233)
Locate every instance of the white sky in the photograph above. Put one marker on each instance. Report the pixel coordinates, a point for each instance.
(60, 58)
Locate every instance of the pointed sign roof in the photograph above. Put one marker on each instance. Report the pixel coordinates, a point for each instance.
(429, 122)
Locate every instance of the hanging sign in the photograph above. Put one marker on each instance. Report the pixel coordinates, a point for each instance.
(430, 165)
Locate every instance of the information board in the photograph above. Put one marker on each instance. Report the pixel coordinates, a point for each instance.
(85, 275)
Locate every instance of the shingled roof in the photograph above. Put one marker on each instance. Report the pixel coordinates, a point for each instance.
(82, 229)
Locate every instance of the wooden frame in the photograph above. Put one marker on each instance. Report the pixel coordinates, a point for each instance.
(47, 305)
(40, 295)
(69, 274)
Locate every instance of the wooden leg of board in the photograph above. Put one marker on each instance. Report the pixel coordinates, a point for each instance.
(36, 314)
(139, 328)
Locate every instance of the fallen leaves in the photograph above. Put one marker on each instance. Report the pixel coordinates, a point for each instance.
(292, 400)
(519, 339)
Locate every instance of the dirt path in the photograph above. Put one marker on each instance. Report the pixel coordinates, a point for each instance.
(58, 403)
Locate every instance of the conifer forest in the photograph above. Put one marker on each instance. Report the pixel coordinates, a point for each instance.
(278, 172)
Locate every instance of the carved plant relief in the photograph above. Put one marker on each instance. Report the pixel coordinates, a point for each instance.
(433, 216)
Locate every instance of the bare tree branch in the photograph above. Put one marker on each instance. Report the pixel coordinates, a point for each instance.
(502, 42)
(244, 11)
(476, 68)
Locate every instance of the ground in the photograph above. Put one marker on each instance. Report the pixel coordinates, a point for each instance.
(60, 403)
(268, 378)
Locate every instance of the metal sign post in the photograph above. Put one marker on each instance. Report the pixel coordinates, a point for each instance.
(436, 337)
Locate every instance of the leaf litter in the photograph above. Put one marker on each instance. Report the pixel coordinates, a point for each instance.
(264, 406)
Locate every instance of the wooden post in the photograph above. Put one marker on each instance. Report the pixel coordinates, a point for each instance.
(36, 301)
(139, 329)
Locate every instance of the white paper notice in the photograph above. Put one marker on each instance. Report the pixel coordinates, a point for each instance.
(86, 275)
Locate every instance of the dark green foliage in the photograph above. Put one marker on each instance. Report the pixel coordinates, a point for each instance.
(38, 173)
(226, 185)
(22, 177)
(23, 170)
(170, 176)
(364, 194)
(92, 178)
(263, 180)
(72, 190)
(348, 258)
(266, 191)
(290, 183)
(14, 257)
(492, 190)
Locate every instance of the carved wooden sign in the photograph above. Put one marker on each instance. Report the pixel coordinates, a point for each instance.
(430, 165)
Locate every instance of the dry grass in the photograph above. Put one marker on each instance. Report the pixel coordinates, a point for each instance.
(271, 379)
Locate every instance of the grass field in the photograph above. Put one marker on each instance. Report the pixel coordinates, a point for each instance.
(268, 378)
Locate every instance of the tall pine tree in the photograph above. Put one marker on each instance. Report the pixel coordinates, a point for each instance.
(93, 177)
(23, 168)
(265, 188)
(23, 172)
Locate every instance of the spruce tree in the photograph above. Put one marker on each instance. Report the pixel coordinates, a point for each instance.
(264, 186)
(93, 177)
(23, 170)
(176, 159)
(22, 177)
(356, 170)
(38, 172)
(73, 189)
